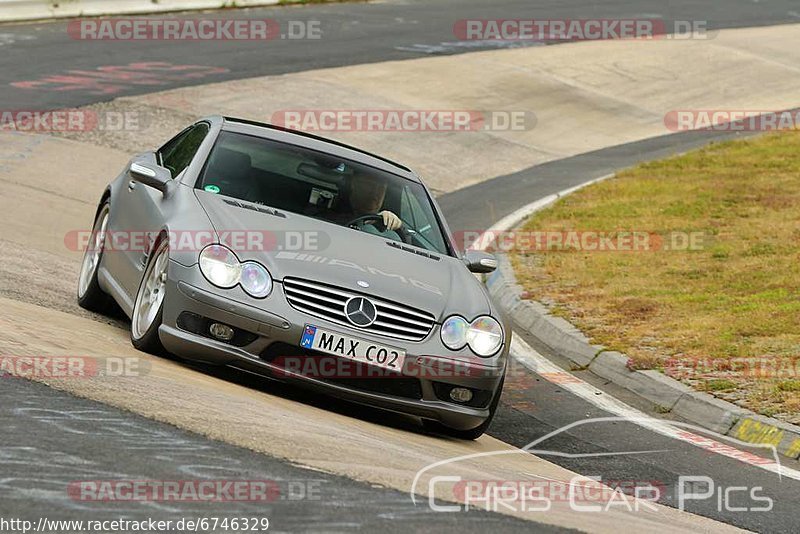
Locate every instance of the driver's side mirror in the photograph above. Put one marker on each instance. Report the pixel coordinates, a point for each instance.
(480, 262)
(150, 175)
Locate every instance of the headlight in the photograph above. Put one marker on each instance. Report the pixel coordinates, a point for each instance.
(256, 280)
(454, 332)
(484, 335)
(221, 266)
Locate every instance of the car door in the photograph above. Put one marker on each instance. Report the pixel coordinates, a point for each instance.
(141, 208)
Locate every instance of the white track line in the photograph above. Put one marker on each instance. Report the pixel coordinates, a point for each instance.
(510, 221)
(530, 358)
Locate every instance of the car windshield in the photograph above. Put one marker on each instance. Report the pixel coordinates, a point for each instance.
(324, 187)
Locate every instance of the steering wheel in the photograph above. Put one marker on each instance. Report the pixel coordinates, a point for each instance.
(372, 218)
(369, 218)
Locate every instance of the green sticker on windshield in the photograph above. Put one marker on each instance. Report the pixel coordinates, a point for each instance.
(211, 189)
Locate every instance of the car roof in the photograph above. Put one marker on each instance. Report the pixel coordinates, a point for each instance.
(320, 144)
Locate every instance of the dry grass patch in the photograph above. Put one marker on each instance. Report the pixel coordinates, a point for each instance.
(737, 295)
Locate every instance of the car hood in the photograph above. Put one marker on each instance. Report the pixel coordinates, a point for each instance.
(302, 247)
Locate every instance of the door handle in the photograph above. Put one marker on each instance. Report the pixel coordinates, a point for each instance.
(131, 185)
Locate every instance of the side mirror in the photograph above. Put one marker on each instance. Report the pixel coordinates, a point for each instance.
(150, 175)
(480, 262)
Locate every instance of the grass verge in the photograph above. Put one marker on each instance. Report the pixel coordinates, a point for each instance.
(710, 294)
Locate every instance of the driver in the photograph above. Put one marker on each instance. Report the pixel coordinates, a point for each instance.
(365, 195)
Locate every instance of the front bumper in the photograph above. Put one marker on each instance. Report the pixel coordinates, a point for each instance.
(429, 371)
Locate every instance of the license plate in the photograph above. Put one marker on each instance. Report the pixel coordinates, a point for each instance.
(352, 348)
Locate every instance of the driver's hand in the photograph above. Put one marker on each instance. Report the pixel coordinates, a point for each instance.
(390, 220)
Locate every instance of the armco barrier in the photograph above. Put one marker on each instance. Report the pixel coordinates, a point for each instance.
(17, 10)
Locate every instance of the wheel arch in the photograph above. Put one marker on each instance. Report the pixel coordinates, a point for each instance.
(161, 236)
(105, 197)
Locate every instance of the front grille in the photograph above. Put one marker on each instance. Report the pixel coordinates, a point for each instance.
(322, 300)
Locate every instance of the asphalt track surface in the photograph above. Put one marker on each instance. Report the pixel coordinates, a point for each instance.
(71, 439)
(353, 34)
(531, 406)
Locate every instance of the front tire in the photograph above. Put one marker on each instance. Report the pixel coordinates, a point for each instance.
(149, 305)
(90, 296)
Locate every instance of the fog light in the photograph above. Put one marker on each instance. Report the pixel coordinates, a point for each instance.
(461, 394)
(221, 331)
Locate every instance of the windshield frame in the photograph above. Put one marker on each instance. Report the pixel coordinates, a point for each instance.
(438, 217)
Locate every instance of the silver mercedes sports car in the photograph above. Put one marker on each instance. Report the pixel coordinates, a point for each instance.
(305, 260)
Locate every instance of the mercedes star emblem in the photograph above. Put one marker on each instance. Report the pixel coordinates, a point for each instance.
(360, 311)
